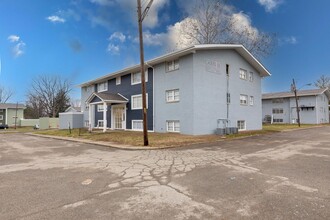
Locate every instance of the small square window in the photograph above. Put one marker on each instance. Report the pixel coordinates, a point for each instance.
(100, 108)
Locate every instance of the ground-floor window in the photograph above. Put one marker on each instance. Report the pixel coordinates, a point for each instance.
(241, 125)
(100, 123)
(137, 125)
(173, 126)
(278, 120)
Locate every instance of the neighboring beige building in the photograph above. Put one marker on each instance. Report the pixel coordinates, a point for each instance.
(8, 113)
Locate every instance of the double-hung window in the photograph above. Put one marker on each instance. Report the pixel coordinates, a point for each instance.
(243, 99)
(137, 102)
(137, 125)
(101, 87)
(241, 125)
(278, 111)
(242, 74)
(172, 65)
(172, 95)
(173, 126)
(136, 78)
(251, 76)
(251, 100)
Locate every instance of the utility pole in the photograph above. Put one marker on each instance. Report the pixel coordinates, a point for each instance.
(294, 89)
(141, 16)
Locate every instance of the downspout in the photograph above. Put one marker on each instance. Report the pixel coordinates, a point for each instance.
(227, 93)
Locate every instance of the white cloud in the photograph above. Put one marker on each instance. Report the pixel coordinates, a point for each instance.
(242, 23)
(18, 49)
(288, 40)
(13, 38)
(270, 5)
(118, 36)
(55, 19)
(113, 49)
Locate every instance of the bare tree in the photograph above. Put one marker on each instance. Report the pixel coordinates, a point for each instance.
(214, 22)
(5, 94)
(323, 82)
(48, 95)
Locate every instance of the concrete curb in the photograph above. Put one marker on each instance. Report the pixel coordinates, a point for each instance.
(101, 143)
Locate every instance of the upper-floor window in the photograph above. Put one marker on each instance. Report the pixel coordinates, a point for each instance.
(136, 101)
(101, 87)
(136, 78)
(172, 95)
(251, 100)
(228, 98)
(278, 111)
(251, 76)
(172, 65)
(243, 74)
(118, 80)
(243, 99)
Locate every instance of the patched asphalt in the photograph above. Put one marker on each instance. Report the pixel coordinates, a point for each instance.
(277, 176)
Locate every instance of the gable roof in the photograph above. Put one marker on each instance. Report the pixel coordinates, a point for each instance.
(108, 97)
(75, 109)
(11, 105)
(300, 93)
(240, 49)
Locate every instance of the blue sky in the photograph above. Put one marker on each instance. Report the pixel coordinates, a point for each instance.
(85, 39)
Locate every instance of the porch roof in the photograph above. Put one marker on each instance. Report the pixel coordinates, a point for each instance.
(107, 98)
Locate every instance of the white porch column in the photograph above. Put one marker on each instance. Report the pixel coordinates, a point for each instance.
(105, 110)
(90, 124)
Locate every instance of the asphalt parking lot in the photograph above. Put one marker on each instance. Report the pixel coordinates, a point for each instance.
(279, 176)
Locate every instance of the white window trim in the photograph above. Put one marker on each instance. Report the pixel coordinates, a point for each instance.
(99, 109)
(173, 121)
(145, 78)
(103, 89)
(251, 100)
(240, 100)
(98, 123)
(251, 76)
(172, 91)
(137, 129)
(242, 129)
(134, 96)
(118, 80)
(170, 63)
(245, 74)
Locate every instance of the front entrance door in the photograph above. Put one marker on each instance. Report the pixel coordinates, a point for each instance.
(119, 117)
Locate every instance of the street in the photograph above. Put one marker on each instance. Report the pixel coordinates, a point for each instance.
(278, 176)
